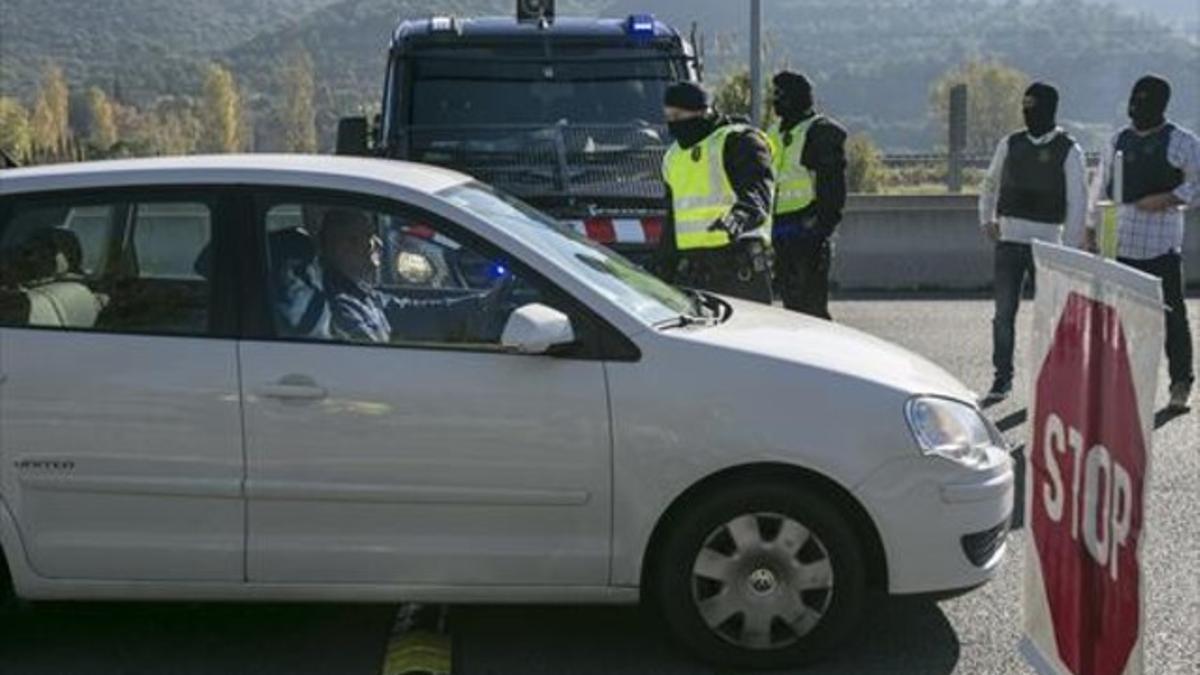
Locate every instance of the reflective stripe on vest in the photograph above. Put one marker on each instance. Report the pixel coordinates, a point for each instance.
(701, 192)
(793, 181)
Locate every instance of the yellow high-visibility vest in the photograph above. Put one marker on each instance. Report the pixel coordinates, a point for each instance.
(793, 181)
(701, 192)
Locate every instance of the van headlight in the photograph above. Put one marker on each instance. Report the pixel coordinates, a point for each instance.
(951, 429)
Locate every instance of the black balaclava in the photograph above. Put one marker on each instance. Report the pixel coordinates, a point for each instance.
(1039, 108)
(793, 99)
(1148, 102)
(689, 96)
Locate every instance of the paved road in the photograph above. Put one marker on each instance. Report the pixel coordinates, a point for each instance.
(973, 634)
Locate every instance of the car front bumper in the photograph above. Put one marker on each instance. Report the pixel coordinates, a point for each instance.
(943, 526)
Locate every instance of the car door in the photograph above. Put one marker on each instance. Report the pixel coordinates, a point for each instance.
(122, 454)
(429, 458)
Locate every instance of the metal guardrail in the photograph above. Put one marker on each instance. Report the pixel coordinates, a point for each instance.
(978, 161)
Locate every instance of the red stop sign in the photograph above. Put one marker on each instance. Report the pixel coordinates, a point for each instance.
(1087, 467)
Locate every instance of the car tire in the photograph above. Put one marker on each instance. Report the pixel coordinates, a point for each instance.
(760, 576)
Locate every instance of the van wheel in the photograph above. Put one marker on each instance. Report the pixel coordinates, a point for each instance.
(761, 576)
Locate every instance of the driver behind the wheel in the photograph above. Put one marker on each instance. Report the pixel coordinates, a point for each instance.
(351, 259)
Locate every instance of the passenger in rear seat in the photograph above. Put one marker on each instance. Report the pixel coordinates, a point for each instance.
(43, 284)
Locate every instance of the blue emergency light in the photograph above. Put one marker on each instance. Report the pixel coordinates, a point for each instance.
(640, 25)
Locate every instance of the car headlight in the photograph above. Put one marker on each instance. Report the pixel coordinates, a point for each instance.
(951, 429)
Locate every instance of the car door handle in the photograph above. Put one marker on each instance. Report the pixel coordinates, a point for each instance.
(294, 388)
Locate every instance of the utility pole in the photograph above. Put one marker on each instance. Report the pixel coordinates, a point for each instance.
(756, 94)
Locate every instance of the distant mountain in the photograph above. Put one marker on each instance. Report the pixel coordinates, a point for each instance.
(874, 60)
(149, 45)
(1186, 12)
(349, 40)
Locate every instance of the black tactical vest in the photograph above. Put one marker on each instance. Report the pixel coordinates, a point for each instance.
(1147, 170)
(1033, 184)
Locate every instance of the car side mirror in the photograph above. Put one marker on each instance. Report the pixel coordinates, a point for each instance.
(352, 135)
(537, 329)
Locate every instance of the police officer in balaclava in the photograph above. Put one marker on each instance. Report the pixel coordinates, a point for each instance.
(810, 177)
(719, 180)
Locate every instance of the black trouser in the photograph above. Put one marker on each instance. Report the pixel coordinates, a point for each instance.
(802, 274)
(1169, 268)
(740, 270)
(1013, 265)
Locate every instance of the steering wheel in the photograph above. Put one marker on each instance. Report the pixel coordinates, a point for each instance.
(487, 323)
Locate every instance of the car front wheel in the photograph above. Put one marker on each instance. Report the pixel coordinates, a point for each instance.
(761, 576)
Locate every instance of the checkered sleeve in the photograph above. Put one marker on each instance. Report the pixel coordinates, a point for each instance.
(1184, 153)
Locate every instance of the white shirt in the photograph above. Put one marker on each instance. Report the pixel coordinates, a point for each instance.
(1144, 235)
(1024, 231)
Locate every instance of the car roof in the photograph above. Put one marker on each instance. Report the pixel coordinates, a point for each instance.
(232, 169)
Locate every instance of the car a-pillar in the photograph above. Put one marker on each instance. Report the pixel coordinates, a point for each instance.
(8, 593)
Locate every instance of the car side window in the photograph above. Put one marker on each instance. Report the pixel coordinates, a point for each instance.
(363, 273)
(117, 265)
(168, 239)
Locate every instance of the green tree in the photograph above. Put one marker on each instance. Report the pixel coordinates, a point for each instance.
(221, 112)
(864, 164)
(298, 115)
(103, 133)
(15, 137)
(732, 96)
(994, 94)
(175, 128)
(49, 127)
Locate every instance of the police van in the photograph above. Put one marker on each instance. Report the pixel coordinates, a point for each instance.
(565, 113)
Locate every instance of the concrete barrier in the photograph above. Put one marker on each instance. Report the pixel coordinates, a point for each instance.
(932, 243)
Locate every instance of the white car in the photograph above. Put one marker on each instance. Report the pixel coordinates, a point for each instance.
(216, 387)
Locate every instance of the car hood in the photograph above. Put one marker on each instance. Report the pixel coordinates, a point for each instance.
(779, 334)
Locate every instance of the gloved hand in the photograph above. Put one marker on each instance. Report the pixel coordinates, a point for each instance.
(753, 255)
(729, 223)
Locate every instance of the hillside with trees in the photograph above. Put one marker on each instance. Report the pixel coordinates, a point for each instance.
(877, 63)
(142, 47)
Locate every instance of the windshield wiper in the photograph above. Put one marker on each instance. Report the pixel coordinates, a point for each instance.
(684, 321)
(704, 312)
(709, 307)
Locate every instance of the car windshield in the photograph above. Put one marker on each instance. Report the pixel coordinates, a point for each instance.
(600, 268)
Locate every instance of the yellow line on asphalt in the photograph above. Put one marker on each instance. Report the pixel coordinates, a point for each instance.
(418, 643)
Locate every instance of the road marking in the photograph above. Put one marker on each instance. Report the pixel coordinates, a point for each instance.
(418, 643)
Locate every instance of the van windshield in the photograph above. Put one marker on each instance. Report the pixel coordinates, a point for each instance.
(572, 85)
(539, 125)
